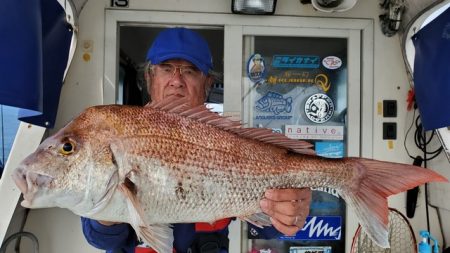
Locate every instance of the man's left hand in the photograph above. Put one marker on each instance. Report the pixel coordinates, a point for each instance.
(287, 208)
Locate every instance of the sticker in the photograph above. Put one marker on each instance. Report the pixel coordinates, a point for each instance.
(309, 249)
(332, 62)
(295, 61)
(87, 46)
(319, 108)
(277, 130)
(256, 68)
(322, 81)
(328, 190)
(274, 103)
(273, 117)
(390, 144)
(324, 205)
(268, 250)
(301, 77)
(330, 149)
(319, 228)
(253, 231)
(314, 132)
(380, 108)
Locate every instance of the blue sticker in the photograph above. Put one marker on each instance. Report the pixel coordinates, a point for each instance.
(296, 61)
(256, 68)
(324, 205)
(319, 228)
(330, 149)
(275, 103)
(310, 249)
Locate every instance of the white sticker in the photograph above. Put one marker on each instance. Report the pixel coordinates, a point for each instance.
(332, 62)
(314, 132)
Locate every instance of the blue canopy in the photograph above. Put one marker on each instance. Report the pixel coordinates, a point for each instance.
(34, 50)
(432, 72)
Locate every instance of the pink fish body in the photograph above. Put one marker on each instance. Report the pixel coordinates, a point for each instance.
(153, 166)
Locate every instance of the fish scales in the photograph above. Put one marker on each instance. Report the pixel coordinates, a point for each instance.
(238, 169)
(152, 167)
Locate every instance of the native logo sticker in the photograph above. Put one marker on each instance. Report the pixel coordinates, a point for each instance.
(274, 103)
(314, 132)
(256, 68)
(319, 108)
(332, 62)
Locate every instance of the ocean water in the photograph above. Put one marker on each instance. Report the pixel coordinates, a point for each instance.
(8, 129)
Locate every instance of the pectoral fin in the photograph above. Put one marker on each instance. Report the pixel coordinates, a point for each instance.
(159, 236)
(258, 219)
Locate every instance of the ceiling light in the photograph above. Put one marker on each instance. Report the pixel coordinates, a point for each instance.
(253, 7)
(333, 5)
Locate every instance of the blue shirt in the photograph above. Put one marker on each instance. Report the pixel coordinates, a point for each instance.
(122, 238)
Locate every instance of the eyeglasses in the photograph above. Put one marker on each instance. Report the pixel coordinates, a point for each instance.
(168, 70)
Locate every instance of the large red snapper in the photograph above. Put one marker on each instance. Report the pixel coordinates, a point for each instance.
(153, 166)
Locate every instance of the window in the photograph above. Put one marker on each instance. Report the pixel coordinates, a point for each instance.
(8, 130)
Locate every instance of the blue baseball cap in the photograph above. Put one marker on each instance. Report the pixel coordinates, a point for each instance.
(181, 43)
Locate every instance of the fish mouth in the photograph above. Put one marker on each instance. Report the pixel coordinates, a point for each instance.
(29, 183)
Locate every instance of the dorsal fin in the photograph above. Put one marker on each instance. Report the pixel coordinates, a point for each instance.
(203, 114)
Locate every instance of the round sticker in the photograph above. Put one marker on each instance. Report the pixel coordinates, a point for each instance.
(256, 68)
(319, 108)
(332, 62)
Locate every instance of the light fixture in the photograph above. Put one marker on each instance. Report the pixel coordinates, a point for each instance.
(333, 5)
(253, 7)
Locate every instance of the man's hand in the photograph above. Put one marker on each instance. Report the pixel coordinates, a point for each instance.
(287, 208)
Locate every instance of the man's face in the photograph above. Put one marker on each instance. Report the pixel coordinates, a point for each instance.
(178, 85)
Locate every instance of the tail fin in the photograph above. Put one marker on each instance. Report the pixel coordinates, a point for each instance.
(377, 181)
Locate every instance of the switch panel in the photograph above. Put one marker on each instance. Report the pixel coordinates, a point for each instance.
(389, 131)
(390, 108)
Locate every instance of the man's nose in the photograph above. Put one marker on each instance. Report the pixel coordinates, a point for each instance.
(177, 79)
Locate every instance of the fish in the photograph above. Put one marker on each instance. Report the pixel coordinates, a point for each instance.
(275, 103)
(167, 163)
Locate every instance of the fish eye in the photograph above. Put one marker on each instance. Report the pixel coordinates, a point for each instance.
(68, 147)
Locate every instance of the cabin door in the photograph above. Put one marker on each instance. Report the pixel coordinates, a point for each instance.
(304, 84)
(300, 76)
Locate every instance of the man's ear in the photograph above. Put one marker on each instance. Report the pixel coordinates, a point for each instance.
(148, 80)
(208, 83)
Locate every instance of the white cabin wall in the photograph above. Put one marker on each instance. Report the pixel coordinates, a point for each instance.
(60, 231)
(83, 85)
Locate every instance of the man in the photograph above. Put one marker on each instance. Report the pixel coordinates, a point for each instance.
(179, 66)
